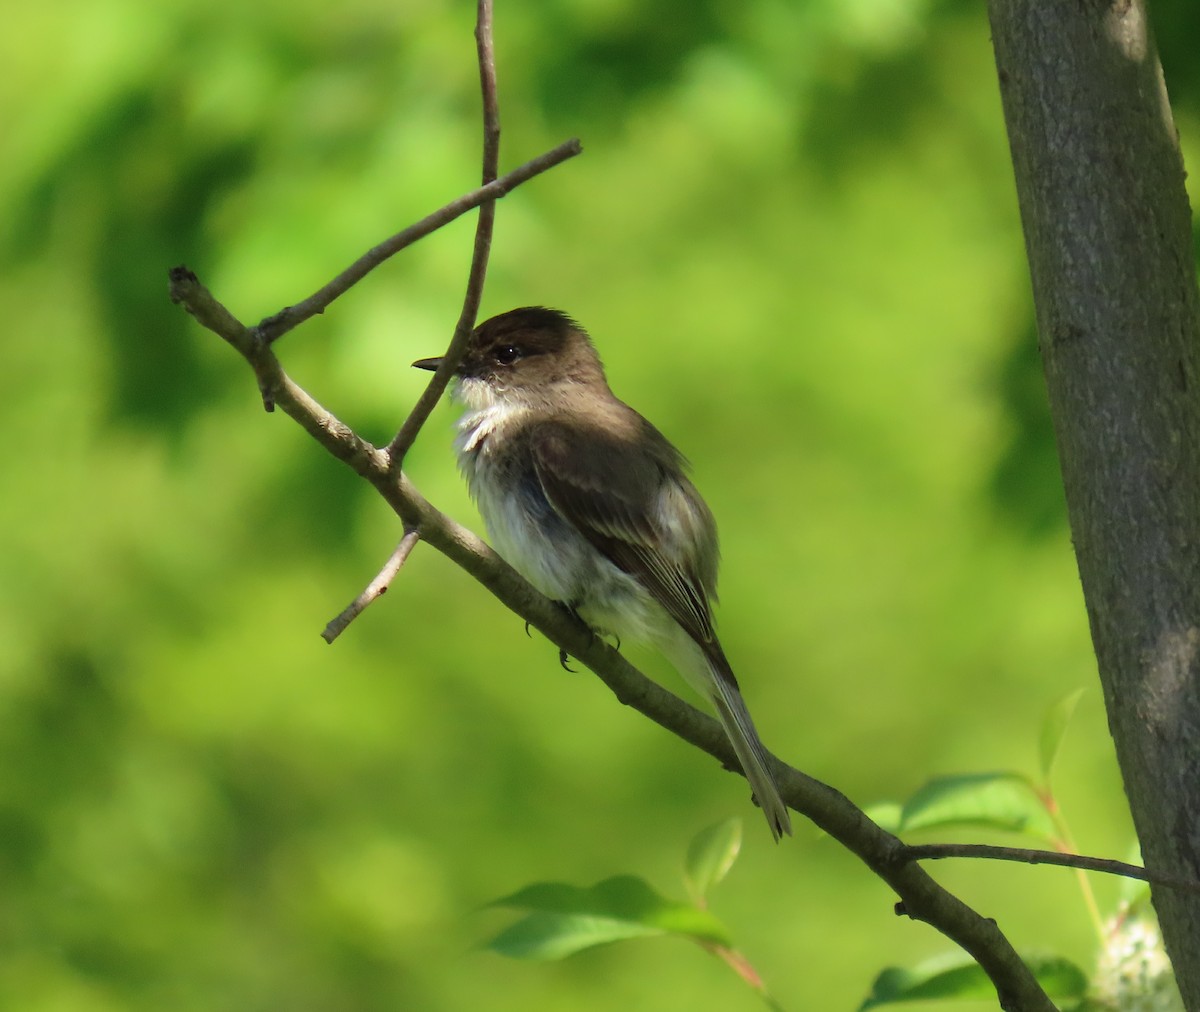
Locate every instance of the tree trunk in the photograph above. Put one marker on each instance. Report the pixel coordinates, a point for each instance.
(1108, 233)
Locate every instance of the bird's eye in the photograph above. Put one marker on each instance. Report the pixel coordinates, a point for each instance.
(507, 354)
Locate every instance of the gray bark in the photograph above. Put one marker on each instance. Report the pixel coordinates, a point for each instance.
(1100, 182)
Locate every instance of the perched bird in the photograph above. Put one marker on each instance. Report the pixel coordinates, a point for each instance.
(591, 504)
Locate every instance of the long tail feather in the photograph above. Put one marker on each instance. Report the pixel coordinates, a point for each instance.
(731, 709)
(708, 672)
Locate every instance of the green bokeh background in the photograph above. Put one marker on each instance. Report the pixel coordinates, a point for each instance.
(794, 237)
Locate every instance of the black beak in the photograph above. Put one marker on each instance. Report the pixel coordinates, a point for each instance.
(427, 363)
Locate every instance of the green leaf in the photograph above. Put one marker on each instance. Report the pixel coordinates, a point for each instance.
(956, 975)
(555, 936)
(1004, 801)
(710, 855)
(565, 918)
(1054, 726)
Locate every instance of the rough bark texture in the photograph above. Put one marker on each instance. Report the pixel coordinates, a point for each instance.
(1108, 231)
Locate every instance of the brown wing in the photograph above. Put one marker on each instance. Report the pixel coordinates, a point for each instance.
(613, 494)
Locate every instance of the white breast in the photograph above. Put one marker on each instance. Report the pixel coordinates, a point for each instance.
(504, 497)
(534, 539)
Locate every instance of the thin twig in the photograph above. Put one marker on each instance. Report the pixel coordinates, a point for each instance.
(376, 588)
(937, 851)
(274, 327)
(432, 393)
(486, 52)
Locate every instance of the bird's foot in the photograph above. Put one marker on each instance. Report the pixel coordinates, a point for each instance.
(563, 656)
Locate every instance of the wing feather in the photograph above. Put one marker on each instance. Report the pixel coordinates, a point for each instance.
(615, 498)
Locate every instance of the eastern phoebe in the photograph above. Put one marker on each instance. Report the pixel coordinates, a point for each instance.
(590, 503)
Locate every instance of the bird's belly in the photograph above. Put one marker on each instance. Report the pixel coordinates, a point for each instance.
(535, 542)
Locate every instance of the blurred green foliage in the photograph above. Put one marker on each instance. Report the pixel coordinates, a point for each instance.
(794, 238)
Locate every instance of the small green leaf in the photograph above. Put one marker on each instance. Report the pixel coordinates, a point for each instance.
(956, 975)
(566, 918)
(555, 936)
(1054, 726)
(710, 855)
(1004, 801)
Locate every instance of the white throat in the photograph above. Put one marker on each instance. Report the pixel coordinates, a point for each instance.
(486, 414)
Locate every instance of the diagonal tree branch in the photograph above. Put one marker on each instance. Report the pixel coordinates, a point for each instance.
(921, 898)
